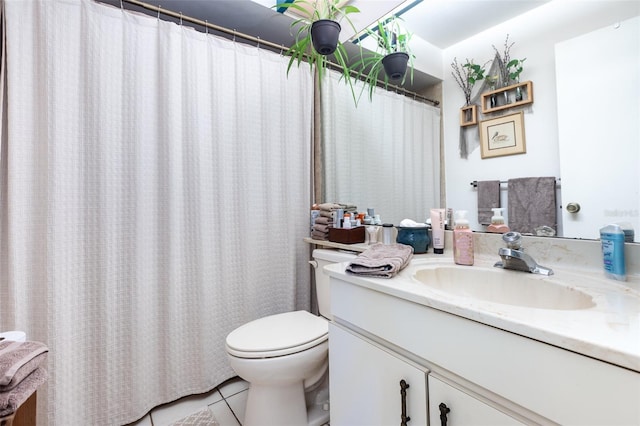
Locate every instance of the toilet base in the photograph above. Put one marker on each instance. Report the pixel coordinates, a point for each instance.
(318, 402)
(318, 414)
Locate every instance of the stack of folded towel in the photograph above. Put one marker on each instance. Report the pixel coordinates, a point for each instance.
(381, 260)
(326, 218)
(320, 230)
(20, 373)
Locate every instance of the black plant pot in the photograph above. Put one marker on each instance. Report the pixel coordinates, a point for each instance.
(324, 35)
(395, 65)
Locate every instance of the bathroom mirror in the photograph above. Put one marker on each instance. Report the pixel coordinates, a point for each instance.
(593, 81)
(596, 88)
(599, 131)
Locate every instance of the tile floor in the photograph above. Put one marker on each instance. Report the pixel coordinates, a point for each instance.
(226, 402)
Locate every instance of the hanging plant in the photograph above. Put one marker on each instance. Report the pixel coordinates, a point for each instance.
(392, 55)
(310, 44)
(467, 76)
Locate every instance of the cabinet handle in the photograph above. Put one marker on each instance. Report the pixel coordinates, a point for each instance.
(444, 410)
(404, 419)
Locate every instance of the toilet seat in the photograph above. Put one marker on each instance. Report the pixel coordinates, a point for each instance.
(278, 335)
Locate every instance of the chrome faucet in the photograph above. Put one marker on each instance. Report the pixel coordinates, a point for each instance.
(514, 257)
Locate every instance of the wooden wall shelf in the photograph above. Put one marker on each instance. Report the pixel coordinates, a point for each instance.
(526, 88)
(468, 116)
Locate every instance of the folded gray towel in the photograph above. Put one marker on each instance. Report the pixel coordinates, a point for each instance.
(532, 203)
(329, 206)
(322, 220)
(317, 235)
(320, 228)
(327, 213)
(488, 198)
(381, 260)
(18, 360)
(11, 400)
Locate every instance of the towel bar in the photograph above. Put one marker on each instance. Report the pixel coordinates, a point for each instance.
(475, 183)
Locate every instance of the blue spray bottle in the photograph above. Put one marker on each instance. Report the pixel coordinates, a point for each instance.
(612, 238)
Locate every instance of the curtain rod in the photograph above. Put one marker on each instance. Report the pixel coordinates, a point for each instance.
(178, 15)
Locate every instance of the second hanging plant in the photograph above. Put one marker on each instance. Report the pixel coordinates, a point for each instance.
(392, 59)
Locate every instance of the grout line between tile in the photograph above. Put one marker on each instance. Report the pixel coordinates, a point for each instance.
(231, 409)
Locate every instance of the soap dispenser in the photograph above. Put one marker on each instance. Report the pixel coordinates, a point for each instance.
(497, 222)
(462, 240)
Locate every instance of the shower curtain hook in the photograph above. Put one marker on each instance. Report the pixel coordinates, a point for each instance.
(206, 26)
(234, 35)
(159, 7)
(258, 45)
(180, 18)
(282, 50)
(121, 5)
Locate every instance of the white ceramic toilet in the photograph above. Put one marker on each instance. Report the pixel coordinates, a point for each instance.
(284, 358)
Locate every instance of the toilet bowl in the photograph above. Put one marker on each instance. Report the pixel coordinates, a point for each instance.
(284, 357)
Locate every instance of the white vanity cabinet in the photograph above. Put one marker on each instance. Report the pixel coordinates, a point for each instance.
(371, 385)
(449, 406)
(486, 374)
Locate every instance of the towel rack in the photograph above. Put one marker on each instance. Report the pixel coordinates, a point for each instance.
(475, 183)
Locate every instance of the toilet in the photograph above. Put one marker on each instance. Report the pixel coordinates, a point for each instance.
(285, 359)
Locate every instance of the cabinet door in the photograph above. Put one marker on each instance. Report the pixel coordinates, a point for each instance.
(365, 383)
(452, 407)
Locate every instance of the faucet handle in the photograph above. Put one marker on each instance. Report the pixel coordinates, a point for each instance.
(513, 240)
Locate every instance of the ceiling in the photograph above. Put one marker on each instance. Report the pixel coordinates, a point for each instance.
(442, 23)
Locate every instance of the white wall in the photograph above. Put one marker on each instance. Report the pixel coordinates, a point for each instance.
(535, 35)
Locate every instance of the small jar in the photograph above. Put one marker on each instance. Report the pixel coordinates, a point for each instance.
(387, 233)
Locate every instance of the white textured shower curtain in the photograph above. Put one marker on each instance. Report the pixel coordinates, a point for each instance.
(153, 198)
(384, 154)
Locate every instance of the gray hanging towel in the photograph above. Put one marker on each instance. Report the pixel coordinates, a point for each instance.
(488, 198)
(532, 203)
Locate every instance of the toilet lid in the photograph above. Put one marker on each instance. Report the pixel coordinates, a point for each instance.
(278, 335)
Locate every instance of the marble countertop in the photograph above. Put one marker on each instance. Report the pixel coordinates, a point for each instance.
(609, 330)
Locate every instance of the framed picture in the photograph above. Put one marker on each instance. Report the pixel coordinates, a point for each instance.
(502, 136)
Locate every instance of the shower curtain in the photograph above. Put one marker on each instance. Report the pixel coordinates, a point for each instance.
(154, 194)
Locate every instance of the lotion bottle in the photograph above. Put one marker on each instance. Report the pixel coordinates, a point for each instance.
(497, 222)
(462, 240)
(612, 239)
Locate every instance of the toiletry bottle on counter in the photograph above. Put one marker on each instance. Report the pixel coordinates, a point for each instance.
(462, 240)
(437, 230)
(387, 233)
(346, 221)
(612, 238)
(497, 222)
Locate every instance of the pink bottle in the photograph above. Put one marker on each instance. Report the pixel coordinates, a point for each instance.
(497, 222)
(462, 240)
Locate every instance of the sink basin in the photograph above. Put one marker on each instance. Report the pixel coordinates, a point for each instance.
(504, 287)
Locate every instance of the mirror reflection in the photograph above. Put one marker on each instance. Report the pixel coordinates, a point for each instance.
(575, 127)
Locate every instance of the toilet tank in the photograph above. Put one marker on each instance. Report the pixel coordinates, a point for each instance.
(322, 258)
